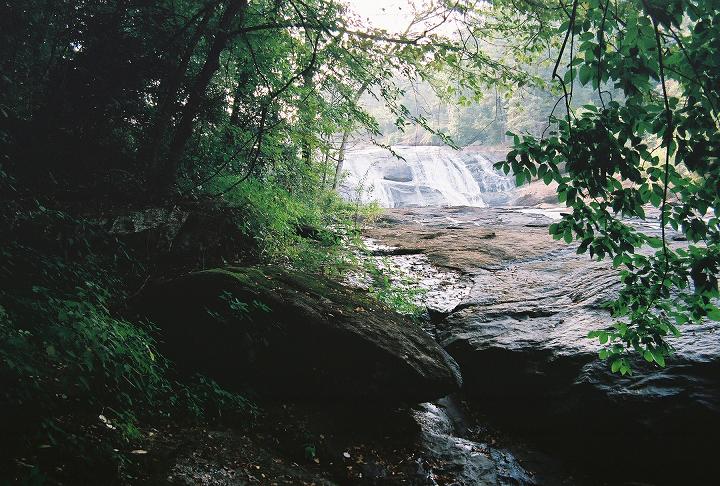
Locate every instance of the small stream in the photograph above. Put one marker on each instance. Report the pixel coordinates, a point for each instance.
(454, 457)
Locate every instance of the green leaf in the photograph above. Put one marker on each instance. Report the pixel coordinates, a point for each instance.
(618, 260)
(585, 74)
(654, 242)
(655, 200)
(658, 357)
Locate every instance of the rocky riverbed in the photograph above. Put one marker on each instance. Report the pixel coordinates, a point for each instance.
(519, 337)
(497, 386)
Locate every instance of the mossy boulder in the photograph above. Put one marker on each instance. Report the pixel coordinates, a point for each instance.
(293, 334)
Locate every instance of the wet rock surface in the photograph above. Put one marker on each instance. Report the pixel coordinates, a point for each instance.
(459, 460)
(438, 290)
(520, 340)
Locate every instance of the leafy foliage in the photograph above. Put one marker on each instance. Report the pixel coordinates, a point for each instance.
(657, 147)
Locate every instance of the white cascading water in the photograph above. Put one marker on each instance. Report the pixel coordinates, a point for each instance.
(429, 176)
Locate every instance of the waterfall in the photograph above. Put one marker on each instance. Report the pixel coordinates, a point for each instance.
(428, 176)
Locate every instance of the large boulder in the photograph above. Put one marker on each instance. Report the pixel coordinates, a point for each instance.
(529, 322)
(396, 171)
(292, 334)
(408, 195)
(180, 238)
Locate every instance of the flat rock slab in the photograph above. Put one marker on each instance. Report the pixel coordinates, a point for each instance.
(520, 338)
(290, 334)
(465, 238)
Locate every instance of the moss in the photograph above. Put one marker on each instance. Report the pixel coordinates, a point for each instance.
(262, 279)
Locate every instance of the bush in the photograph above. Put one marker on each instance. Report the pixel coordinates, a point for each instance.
(306, 226)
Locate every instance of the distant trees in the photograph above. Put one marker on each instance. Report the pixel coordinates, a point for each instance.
(483, 117)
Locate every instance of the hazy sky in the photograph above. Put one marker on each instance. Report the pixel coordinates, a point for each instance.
(390, 15)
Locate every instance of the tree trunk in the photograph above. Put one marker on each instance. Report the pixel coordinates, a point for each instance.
(168, 91)
(309, 117)
(502, 120)
(341, 158)
(166, 175)
(241, 86)
(345, 137)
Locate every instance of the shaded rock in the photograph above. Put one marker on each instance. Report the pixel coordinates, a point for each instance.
(176, 238)
(520, 340)
(397, 172)
(394, 251)
(165, 221)
(403, 195)
(528, 322)
(295, 335)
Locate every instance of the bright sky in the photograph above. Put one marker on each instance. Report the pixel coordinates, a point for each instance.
(391, 15)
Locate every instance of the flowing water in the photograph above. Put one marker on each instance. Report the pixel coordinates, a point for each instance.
(452, 456)
(421, 176)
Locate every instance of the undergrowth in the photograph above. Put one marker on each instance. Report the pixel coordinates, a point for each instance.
(309, 228)
(81, 380)
(78, 380)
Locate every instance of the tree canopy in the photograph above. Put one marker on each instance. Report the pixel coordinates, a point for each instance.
(144, 99)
